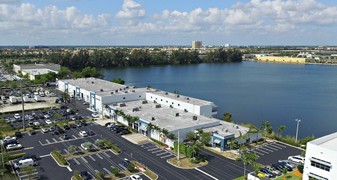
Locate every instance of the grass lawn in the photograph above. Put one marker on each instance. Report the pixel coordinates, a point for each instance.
(289, 177)
(239, 178)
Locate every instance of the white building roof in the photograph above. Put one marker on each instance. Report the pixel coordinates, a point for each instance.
(227, 128)
(165, 117)
(95, 84)
(182, 98)
(328, 142)
(126, 90)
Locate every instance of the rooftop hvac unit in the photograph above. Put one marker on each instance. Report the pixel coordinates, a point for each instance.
(153, 119)
(188, 98)
(127, 87)
(92, 82)
(112, 93)
(185, 110)
(195, 117)
(122, 105)
(237, 127)
(126, 91)
(166, 93)
(102, 90)
(155, 101)
(135, 109)
(133, 91)
(157, 106)
(144, 102)
(178, 95)
(177, 114)
(116, 91)
(114, 104)
(171, 106)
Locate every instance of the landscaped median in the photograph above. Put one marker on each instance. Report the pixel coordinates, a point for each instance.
(60, 160)
(150, 174)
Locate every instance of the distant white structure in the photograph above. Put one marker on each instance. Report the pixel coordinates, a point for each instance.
(196, 44)
(321, 158)
(34, 70)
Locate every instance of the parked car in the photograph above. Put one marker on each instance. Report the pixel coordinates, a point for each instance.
(13, 146)
(91, 133)
(48, 121)
(296, 159)
(17, 116)
(83, 133)
(85, 175)
(44, 130)
(66, 127)
(72, 125)
(268, 172)
(65, 136)
(286, 163)
(36, 123)
(25, 163)
(32, 132)
(135, 177)
(79, 124)
(28, 156)
(47, 116)
(18, 134)
(275, 171)
(95, 115)
(277, 167)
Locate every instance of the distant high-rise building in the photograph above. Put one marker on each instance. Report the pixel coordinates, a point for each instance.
(196, 44)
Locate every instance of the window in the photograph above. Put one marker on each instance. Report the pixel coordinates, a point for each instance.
(320, 165)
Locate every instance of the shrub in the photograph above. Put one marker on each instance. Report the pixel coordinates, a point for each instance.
(59, 158)
(131, 167)
(115, 171)
(100, 175)
(300, 168)
(15, 156)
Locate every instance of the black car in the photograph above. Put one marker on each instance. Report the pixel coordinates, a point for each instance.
(32, 132)
(84, 123)
(85, 175)
(79, 124)
(91, 133)
(66, 127)
(107, 124)
(65, 136)
(29, 156)
(284, 165)
(277, 167)
(18, 134)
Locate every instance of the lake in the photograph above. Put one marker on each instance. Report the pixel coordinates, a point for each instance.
(252, 92)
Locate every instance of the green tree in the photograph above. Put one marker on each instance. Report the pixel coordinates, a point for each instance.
(190, 136)
(100, 175)
(284, 172)
(266, 127)
(205, 138)
(248, 158)
(118, 81)
(29, 171)
(281, 129)
(77, 75)
(115, 171)
(72, 149)
(227, 117)
(99, 142)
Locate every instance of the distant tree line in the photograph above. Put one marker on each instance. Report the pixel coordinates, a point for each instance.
(139, 57)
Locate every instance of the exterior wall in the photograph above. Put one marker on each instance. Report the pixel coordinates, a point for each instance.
(16, 68)
(329, 156)
(281, 59)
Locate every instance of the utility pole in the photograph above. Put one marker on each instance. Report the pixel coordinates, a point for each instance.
(23, 108)
(178, 157)
(298, 123)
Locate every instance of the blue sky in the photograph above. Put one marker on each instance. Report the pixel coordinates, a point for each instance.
(168, 22)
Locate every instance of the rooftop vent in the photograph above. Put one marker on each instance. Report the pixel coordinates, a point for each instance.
(127, 87)
(92, 82)
(112, 93)
(144, 102)
(166, 93)
(153, 119)
(114, 104)
(126, 91)
(102, 90)
(171, 106)
(237, 127)
(122, 105)
(133, 91)
(157, 106)
(188, 98)
(178, 95)
(155, 101)
(195, 118)
(116, 91)
(135, 109)
(177, 114)
(185, 110)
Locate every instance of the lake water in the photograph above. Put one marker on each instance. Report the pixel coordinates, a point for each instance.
(252, 92)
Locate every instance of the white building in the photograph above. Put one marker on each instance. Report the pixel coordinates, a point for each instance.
(34, 70)
(169, 111)
(196, 44)
(321, 159)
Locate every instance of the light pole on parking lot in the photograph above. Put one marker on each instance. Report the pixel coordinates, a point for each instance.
(23, 107)
(298, 123)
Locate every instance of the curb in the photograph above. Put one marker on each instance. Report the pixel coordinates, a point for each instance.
(184, 167)
(65, 166)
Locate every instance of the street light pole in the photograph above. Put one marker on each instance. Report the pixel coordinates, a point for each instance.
(23, 108)
(298, 123)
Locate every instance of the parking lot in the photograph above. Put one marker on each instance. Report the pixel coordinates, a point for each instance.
(158, 152)
(273, 151)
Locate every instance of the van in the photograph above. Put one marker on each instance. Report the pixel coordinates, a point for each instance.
(25, 163)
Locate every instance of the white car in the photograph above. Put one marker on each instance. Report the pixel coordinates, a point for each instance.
(46, 116)
(13, 146)
(36, 123)
(8, 138)
(95, 115)
(135, 177)
(86, 147)
(48, 121)
(83, 133)
(17, 116)
(296, 159)
(44, 130)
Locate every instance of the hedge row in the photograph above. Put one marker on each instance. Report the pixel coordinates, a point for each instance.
(59, 158)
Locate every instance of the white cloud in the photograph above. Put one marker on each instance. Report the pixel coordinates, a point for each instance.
(131, 10)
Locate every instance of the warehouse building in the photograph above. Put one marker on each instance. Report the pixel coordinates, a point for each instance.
(33, 70)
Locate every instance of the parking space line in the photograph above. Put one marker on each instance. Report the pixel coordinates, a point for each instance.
(54, 140)
(149, 147)
(266, 148)
(152, 149)
(274, 146)
(48, 142)
(46, 155)
(261, 151)
(278, 144)
(106, 154)
(257, 152)
(76, 161)
(123, 167)
(84, 159)
(107, 171)
(74, 136)
(270, 147)
(166, 156)
(163, 153)
(158, 151)
(99, 156)
(66, 151)
(92, 158)
(145, 143)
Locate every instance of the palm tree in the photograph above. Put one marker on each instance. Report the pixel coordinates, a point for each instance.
(281, 129)
(266, 126)
(248, 158)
